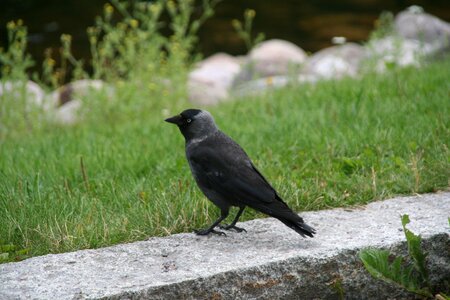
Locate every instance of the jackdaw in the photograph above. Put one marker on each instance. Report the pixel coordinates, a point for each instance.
(227, 176)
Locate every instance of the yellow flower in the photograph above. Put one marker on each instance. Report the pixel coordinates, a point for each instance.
(250, 13)
(66, 38)
(134, 23)
(11, 25)
(155, 8)
(236, 23)
(108, 9)
(171, 5)
(90, 30)
(51, 62)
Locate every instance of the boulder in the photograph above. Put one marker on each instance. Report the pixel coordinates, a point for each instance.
(67, 100)
(336, 61)
(396, 50)
(414, 24)
(31, 91)
(275, 57)
(68, 113)
(76, 89)
(210, 81)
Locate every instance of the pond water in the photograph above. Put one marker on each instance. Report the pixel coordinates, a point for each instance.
(309, 24)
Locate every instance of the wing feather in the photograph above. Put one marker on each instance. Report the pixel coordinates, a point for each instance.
(232, 174)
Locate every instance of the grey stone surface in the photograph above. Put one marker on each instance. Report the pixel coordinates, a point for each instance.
(398, 51)
(68, 99)
(275, 57)
(28, 91)
(269, 261)
(337, 61)
(423, 27)
(210, 81)
(68, 113)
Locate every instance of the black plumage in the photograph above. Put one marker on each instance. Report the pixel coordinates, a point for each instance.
(227, 176)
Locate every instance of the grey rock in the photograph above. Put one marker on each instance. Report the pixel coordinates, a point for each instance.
(210, 81)
(269, 262)
(275, 57)
(417, 25)
(337, 61)
(76, 90)
(27, 90)
(417, 37)
(398, 51)
(68, 113)
(67, 100)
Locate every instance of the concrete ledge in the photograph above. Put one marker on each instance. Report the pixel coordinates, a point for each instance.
(270, 261)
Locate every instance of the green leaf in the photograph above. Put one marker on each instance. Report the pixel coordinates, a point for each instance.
(415, 250)
(377, 263)
(22, 252)
(349, 165)
(7, 248)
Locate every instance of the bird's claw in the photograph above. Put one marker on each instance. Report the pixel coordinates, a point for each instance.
(208, 231)
(230, 227)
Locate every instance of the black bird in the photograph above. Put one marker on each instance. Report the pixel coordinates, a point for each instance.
(227, 176)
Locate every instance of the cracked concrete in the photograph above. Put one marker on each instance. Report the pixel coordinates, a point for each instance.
(269, 261)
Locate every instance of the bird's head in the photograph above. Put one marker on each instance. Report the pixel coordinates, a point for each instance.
(194, 123)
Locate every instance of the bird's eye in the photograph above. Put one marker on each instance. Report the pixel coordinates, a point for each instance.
(188, 120)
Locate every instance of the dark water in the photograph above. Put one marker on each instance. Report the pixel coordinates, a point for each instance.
(309, 24)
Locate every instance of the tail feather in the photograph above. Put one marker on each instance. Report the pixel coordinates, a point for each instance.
(280, 210)
(300, 227)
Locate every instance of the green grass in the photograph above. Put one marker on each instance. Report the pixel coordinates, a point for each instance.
(334, 144)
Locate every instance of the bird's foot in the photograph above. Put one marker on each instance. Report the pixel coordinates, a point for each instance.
(208, 231)
(230, 227)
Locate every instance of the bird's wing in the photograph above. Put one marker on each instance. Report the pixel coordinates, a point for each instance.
(222, 166)
(230, 172)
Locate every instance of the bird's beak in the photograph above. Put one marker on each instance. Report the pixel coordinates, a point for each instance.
(178, 120)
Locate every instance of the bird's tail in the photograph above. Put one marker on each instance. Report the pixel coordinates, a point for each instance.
(299, 226)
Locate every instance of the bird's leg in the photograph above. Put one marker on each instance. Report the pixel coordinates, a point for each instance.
(233, 224)
(223, 215)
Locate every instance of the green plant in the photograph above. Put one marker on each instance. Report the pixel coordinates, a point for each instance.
(131, 50)
(384, 26)
(131, 44)
(66, 56)
(15, 61)
(413, 277)
(337, 286)
(244, 31)
(16, 110)
(9, 253)
(390, 52)
(49, 77)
